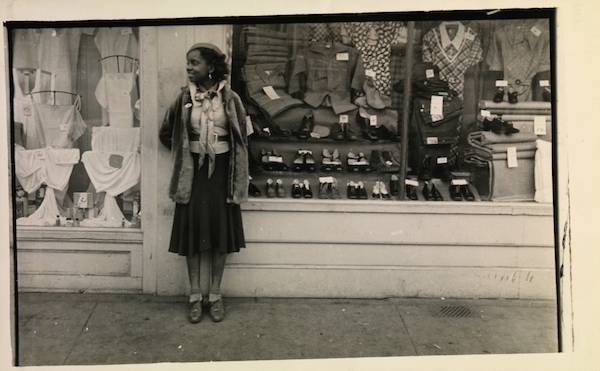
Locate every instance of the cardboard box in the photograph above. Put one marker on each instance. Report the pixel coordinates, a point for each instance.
(83, 200)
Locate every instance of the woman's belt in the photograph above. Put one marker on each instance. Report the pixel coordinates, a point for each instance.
(221, 144)
(219, 138)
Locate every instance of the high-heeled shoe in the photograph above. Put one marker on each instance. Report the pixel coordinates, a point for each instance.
(466, 192)
(306, 126)
(383, 191)
(436, 194)
(394, 185)
(512, 95)
(455, 193)
(498, 94)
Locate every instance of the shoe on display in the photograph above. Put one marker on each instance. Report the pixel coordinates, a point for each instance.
(442, 171)
(303, 161)
(358, 163)
(510, 129)
(352, 191)
(279, 189)
(275, 130)
(296, 189)
(364, 120)
(455, 193)
(376, 194)
(253, 165)
(279, 165)
(306, 191)
(322, 192)
(270, 190)
(361, 191)
(466, 192)
(327, 164)
(425, 172)
(384, 133)
(259, 131)
(512, 95)
(349, 133)
(495, 125)
(498, 94)
(306, 126)
(411, 192)
(436, 194)
(337, 132)
(394, 185)
(333, 190)
(427, 194)
(383, 191)
(391, 161)
(253, 190)
(336, 161)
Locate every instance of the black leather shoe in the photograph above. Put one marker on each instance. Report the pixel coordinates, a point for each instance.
(442, 171)
(306, 126)
(336, 132)
(513, 95)
(427, 193)
(466, 192)
(306, 191)
(425, 170)
(494, 125)
(253, 190)
(455, 194)
(411, 192)
(394, 185)
(352, 191)
(498, 94)
(363, 119)
(361, 191)
(270, 190)
(296, 189)
(333, 190)
(349, 133)
(279, 190)
(435, 193)
(509, 128)
(384, 133)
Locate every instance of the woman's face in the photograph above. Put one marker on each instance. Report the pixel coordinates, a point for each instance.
(197, 67)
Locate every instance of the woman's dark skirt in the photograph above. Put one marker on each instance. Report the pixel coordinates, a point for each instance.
(208, 221)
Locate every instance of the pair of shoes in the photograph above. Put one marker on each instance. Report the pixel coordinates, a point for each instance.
(329, 190)
(358, 163)
(432, 194)
(374, 98)
(272, 161)
(275, 189)
(274, 129)
(331, 161)
(304, 161)
(512, 95)
(498, 126)
(498, 94)
(217, 311)
(342, 132)
(306, 126)
(253, 190)
(457, 192)
(356, 191)
(195, 311)
(300, 190)
(384, 162)
(380, 191)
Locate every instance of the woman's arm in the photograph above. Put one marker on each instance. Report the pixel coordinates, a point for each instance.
(166, 130)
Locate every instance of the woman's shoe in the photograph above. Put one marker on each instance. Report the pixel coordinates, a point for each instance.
(349, 133)
(253, 190)
(333, 190)
(376, 194)
(336, 160)
(383, 191)
(512, 95)
(306, 191)
(498, 94)
(217, 311)
(466, 192)
(195, 314)
(364, 120)
(394, 185)
(337, 132)
(436, 194)
(296, 189)
(427, 194)
(509, 128)
(270, 190)
(411, 192)
(455, 194)
(352, 191)
(326, 161)
(306, 126)
(362, 192)
(279, 189)
(323, 190)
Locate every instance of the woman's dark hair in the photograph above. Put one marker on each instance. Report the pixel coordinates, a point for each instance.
(217, 61)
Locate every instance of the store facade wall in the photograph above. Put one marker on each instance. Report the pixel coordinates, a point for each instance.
(317, 248)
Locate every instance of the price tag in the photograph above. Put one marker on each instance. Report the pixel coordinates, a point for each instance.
(485, 113)
(437, 106)
(27, 110)
(539, 125)
(442, 160)
(270, 92)
(82, 202)
(511, 157)
(373, 120)
(411, 182)
(342, 57)
(430, 74)
(268, 73)
(501, 83)
(459, 182)
(432, 140)
(343, 119)
(370, 73)
(325, 179)
(389, 163)
(535, 31)
(275, 159)
(126, 31)
(315, 135)
(267, 130)
(469, 36)
(544, 83)
(41, 155)
(63, 127)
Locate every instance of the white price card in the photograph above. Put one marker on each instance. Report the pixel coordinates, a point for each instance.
(342, 56)
(539, 125)
(442, 160)
(429, 73)
(270, 92)
(536, 31)
(432, 140)
(275, 159)
(63, 127)
(544, 83)
(373, 120)
(511, 157)
(501, 83)
(437, 106)
(26, 110)
(459, 182)
(267, 130)
(325, 179)
(82, 201)
(469, 36)
(370, 73)
(343, 119)
(40, 155)
(315, 135)
(485, 113)
(411, 182)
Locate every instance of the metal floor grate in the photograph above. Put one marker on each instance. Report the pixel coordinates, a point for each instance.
(454, 311)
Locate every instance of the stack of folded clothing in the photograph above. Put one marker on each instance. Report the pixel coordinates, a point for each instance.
(489, 151)
(522, 115)
(266, 45)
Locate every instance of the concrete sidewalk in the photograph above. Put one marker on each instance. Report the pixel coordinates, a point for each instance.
(78, 329)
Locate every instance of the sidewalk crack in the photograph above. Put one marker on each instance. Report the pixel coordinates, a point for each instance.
(80, 332)
(407, 330)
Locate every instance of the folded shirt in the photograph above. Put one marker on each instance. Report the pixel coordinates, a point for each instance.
(259, 31)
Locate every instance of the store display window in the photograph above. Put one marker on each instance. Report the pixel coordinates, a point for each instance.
(328, 108)
(76, 129)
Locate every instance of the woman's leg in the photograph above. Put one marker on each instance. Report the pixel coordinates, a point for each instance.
(193, 264)
(217, 311)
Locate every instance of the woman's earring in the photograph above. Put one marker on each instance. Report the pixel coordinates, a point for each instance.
(210, 75)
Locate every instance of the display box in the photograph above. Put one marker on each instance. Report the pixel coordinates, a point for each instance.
(83, 200)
